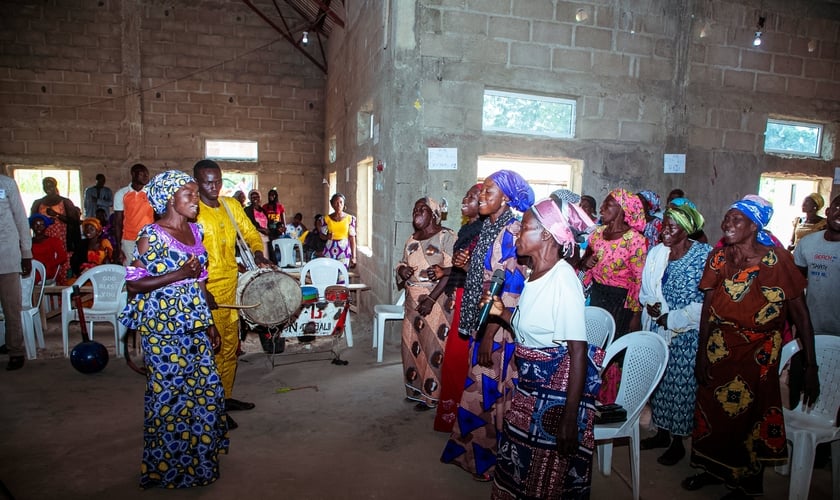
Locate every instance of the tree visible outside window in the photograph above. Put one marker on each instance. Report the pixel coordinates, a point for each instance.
(791, 137)
(528, 114)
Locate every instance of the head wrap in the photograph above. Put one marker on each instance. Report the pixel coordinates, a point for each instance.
(565, 195)
(686, 216)
(653, 200)
(46, 220)
(93, 221)
(758, 210)
(565, 221)
(434, 206)
(634, 214)
(678, 202)
(515, 187)
(163, 187)
(818, 200)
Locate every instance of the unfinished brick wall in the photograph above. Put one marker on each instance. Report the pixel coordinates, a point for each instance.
(102, 85)
(645, 81)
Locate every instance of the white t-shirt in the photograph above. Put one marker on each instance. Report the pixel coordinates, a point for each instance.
(822, 258)
(551, 309)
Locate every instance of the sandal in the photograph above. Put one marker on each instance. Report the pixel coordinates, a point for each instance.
(482, 478)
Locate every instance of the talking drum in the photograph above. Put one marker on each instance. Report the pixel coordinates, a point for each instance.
(269, 297)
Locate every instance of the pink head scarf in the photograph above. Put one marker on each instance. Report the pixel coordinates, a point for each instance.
(634, 212)
(565, 221)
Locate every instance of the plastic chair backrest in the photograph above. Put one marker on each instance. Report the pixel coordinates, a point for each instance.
(600, 326)
(644, 364)
(828, 363)
(108, 281)
(400, 299)
(324, 272)
(29, 288)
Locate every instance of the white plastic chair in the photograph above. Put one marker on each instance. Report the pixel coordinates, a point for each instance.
(287, 248)
(30, 312)
(644, 363)
(600, 326)
(381, 314)
(109, 298)
(323, 272)
(806, 429)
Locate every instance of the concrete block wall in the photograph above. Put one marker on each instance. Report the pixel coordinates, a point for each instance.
(100, 86)
(645, 81)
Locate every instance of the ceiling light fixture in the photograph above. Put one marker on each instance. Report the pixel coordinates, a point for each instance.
(760, 26)
(581, 15)
(705, 30)
(812, 45)
(305, 39)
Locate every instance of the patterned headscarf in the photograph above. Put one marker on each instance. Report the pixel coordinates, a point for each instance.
(818, 200)
(515, 187)
(565, 221)
(678, 202)
(653, 200)
(93, 221)
(46, 220)
(566, 195)
(434, 206)
(686, 216)
(758, 210)
(634, 212)
(163, 187)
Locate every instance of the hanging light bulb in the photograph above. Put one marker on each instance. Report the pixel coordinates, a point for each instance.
(305, 40)
(759, 26)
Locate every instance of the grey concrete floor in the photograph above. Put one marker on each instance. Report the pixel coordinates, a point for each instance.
(66, 435)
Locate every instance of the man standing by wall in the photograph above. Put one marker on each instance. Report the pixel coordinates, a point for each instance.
(15, 257)
(98, 196)
(132, 211)
(220, 216)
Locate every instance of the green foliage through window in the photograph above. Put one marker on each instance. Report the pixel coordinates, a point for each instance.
(797, 138)
(528, 114)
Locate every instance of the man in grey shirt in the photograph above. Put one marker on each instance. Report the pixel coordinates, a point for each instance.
(98, 196)
(15, 258)
(818, 257)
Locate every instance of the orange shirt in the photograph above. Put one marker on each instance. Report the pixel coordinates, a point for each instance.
(137, 212)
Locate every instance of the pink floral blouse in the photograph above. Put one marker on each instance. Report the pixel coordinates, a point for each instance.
(620, 263)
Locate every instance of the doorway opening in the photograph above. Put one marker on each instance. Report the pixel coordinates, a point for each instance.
(787, 193)
(543, 174)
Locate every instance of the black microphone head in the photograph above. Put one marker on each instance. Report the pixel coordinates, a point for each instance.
(499, 275)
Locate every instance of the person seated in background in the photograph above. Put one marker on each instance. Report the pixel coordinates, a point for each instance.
(107, 226)
(99, 250)
(296, 228)
(313, 245)
(48, 250)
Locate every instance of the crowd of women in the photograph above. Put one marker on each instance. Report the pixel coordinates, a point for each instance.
(517, 392)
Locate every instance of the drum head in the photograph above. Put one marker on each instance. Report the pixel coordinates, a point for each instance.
(277, 294)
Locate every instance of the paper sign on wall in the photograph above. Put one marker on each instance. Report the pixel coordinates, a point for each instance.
(837, 175)
(443, 158)
(674, 164)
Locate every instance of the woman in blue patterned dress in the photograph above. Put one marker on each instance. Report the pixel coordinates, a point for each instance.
(672, 304)
(184, 425)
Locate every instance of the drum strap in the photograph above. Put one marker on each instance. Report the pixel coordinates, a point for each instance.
(244, 250)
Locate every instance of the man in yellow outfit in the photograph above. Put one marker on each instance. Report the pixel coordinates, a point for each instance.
(220, 241)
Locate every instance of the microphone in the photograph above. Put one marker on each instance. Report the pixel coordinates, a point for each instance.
(496, 283)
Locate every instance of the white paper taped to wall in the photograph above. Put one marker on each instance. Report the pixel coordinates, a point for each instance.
(674, 164)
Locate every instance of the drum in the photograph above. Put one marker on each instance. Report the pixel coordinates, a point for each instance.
(277, 295)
